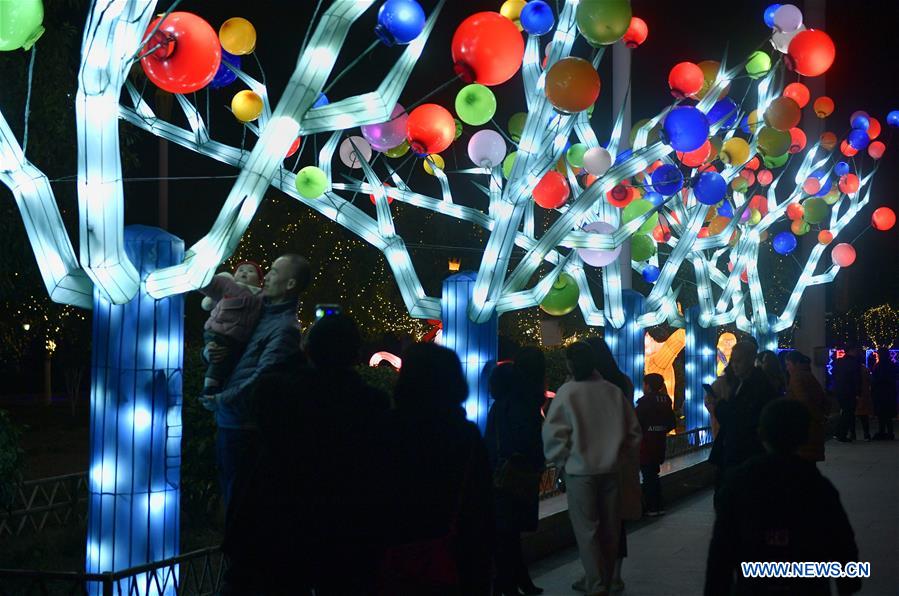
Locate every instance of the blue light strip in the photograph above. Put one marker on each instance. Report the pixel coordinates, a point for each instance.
(627, 343)
(700, 352)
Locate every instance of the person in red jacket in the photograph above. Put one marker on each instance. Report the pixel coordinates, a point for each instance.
(656, 418)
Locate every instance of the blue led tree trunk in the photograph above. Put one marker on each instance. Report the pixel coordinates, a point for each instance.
(767, 339)
(133, 514)
(628, 343)
(700, 351)
(475, 343)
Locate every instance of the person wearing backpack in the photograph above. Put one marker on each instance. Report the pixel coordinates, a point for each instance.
(657, 419)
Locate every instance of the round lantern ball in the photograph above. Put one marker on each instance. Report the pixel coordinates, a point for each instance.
(575, 155)
(642, 247)
(848, 183)
(398, 151)
(637, 209)
(823, 106)
(603, 22)
(433, 162)
(597, 161)
(893, 119)
(311, 182)
(399, 22)
(667, 179)
(841, 168)
(552, 191)
(783, 113)
(487, 148)
(825, 237)
(353, 151)
(816, 210)
(246, 105)
(224, 76)
(811, 53)
(599, 258)
(572, 85)
(787, 18)
(475, 104)
(876, 149)
(768, 15)
(389, 134)
(685, 128)
(858, 139)
(238, 36)
(636, 33)
(650, 274)
(798, 93)
(537, 17)
(710, 188)
(487, 49)
(685, 79)
(883, 219)
(562, 297)
(430, 129)
(188, 55)
(516, 125)
(843, 254)
(784, 243)
(758, 64)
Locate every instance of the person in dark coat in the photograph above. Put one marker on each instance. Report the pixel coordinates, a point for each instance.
(308, 517)
(883, 394)
(437, 480)
(846, 386)
(656, 416)
(738, 415)
(513, 435)
(778, 507)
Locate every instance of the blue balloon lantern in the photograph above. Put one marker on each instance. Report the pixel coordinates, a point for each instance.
(710, 188)
(858, 139)
(784, 243)
(769, 14)
(321, 100)
(893, 119)
(537, 17)
(724, 109)
(399, 22)
(623, 155)
(841, 169)
(225, 76)
(825, 181)
(685, 129)
(667, 179)
(650, 274)
(655, 198)
(861, 122)
(744, 124)
(725, 209)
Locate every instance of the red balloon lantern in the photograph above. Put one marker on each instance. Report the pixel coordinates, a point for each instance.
(811, 53)
(811, 185)
(430, 128)
(661, 233)
(753, 164)
(825, 237)
(797, 140)
(374, 199)
(697, 157)
(294, 147)
(621, 195)
(187, 53)
(487, 49)
(843, 254)
(703, 233)
(828, 141)
(795, 211)
(685, 79)
(552, 191)
(883, 219)
(798, 93)
(848, 183)
(765, 177)
(823, 107)
(876, 149)
(847, 149)
(636, 33)
(873, 128)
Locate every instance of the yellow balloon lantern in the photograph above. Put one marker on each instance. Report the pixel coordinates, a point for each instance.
(438, 162)
(717, 225)
(511, 9)
(238, 36)
(709, 70)
(753, 120)
(755, 216)
(246, 105)
(735, 151)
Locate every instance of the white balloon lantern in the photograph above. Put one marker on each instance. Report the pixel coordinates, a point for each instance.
(352, 149)
(597, 161)
(486, 148)
(599, 258)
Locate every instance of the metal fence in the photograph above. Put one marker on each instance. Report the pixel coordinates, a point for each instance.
(198, 573)
(46, 502)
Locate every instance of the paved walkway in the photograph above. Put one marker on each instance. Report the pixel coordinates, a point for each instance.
(668, 554)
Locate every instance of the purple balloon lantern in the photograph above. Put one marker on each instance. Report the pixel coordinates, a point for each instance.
(389, 134)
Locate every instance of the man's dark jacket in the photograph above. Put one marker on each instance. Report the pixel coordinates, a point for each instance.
(738, 438)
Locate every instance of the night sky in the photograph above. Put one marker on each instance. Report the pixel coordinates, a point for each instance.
(867, 52)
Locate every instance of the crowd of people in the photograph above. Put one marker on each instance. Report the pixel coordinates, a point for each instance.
(400, 494)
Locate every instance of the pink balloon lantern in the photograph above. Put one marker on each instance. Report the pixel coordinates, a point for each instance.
(389, 134)
(843, 254)
(876, 149)
(599, 258)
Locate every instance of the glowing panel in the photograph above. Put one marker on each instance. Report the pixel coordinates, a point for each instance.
(699, 362)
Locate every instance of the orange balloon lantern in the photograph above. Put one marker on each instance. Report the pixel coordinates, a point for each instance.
(828, 141)
(849, 183)
(487, 48)
(883, 219)
(811, 53)
(661, 233)
(431, 128)
(825, 237)
(765, 177)
(847, 149)
(552, 191)
(636, 33)
(873, 128)
(187, 53)
(795, 211)
(811, 185)
(783, 114)
(876, 149)
(685, 79)
(797, 140)
(709, 70)
(572, 85)
(798, 93)
(753, 164)
(823, 107)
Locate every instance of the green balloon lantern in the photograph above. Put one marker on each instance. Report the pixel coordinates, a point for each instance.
(777, 161)
(311, 182)
(603, 22)
(562, 297)
(575, 155)
(758, 65)
(398, 151)
(20, 24)
(833, 195)
(642, 247)
(516, 125)
(773, 142)
(815, 210)
(458, 129)
(636, 209)
(508, 163)
(475, 104)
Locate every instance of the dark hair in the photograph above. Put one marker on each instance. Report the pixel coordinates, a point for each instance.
(797, 357)
(605, 363)
(770, 365)
(333, 342)
(531, 365)
(505, 381)
(656, 383)
(784, 425)
(300, 270)
(431, 378)
(580, 358)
